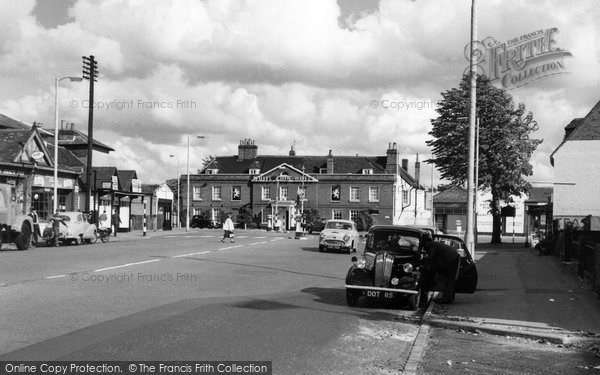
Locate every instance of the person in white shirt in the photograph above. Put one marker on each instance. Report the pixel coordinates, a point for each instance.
(228, 229)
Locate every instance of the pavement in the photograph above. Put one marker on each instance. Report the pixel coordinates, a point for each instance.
(520, 296)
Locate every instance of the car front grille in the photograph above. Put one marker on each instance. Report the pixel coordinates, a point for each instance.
(383, 269)
(334, 242)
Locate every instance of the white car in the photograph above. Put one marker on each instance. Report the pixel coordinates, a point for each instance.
(339, 235)
(74, 228)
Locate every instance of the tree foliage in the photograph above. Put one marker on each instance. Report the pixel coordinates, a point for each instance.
(505, 143)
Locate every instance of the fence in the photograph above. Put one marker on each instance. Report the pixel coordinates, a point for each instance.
(584, 247)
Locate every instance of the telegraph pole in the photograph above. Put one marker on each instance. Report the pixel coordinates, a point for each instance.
(90, 72)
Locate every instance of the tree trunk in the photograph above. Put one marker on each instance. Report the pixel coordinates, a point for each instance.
(497, 220)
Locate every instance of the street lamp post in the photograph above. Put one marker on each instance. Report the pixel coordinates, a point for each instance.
(56, 81)
(469, 235)
(178, 190)
(187, 211)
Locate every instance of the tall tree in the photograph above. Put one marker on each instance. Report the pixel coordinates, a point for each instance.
(505, 143)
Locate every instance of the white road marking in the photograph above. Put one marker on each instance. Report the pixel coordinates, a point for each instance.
(54, 277)
(180, 236)
(230, 247)
(183, 255)
(259, 237)
(126, 265)
(202, 252)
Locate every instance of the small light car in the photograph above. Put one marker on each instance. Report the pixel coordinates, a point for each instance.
(339, 235)
(74, 228)
(393, 263)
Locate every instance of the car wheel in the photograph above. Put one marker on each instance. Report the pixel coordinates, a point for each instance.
(352, 298)
(321, 248)
(23, 240)
(414, 300)
(77, 241)
(93, 239)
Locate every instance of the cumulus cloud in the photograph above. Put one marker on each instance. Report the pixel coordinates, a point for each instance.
(279, 72)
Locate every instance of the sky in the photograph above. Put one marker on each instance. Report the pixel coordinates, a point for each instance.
(348, 76)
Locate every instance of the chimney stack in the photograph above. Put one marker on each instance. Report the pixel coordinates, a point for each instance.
(417, 170)
(391, 163)
(330, 162)
(405, 165)
(247, 149)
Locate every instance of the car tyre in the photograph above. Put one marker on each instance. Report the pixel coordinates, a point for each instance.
(352, 298)
(321, 248)
(94, 239)
(77, 241)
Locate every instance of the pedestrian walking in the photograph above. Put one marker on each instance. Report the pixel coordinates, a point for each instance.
(228, 229)
(116, 221)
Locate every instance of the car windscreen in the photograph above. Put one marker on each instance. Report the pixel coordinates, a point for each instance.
(338, 225)
(392, 241)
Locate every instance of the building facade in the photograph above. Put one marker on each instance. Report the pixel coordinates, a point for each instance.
(278, 187)
(576, 163)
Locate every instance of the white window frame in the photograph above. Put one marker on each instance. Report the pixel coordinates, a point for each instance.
(373, 190)
(405, 197)
(265, 193)
(215, 214)
(357, 190)
(196, 193)
(354, 213)
(284, 193)
(217, 193)
(336, 213)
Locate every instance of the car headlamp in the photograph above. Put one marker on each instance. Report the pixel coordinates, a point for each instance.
(361, 263)
(395, 281)
(407, 268)
(346, 238)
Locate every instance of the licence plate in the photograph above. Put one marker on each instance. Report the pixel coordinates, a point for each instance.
(378, 294)
(335, 246)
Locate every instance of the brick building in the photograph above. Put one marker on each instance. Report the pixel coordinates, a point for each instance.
(278, 186)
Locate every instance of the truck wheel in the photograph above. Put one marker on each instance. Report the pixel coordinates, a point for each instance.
(23, 240)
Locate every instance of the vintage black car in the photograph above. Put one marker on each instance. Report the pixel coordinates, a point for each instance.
(198, 221)
(393, 264)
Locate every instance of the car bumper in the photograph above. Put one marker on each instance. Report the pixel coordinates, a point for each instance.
(366, 289)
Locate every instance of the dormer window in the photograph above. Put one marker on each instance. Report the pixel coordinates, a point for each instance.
(212, 171)
(254, 171)
(322, 170)
(367, 171)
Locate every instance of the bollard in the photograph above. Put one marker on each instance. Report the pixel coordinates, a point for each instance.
(144, 218)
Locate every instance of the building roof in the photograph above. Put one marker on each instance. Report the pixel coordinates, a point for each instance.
(125, 177)
(9, 123)
(103, 174)
(11, 143)
(586, 129)
(453, 194)
(309, 164)
(74, 139)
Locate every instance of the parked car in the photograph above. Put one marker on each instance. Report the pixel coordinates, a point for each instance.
(339, 235)
(394, 261)
(74, 228)
(199, 221)
(316, 225)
